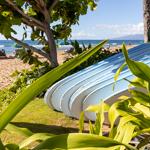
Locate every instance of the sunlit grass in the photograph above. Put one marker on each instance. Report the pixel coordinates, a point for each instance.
(38, 117)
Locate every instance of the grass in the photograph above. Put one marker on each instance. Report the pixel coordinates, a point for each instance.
(39, 118)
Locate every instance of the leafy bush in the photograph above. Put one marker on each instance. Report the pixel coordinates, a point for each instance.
(42, 84)
(27, 56)
(98, 56)
(6, 96)
(132, 113)
(2, 53)
(27, 77)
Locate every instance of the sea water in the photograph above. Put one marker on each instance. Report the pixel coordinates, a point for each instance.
(9, 46)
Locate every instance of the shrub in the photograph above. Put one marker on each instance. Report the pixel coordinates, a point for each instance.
(27, 77)
(133, 112)
(27, 56)
(97, 57)
(6, 96)
(2, 53)
(130, 113)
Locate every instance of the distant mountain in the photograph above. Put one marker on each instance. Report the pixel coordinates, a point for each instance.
(131, 37)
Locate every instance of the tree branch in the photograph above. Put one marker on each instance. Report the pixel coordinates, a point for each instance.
(38, 4)
(23, 14)
(38, 51)
(31, 24)
(53, 5)
(43, 9)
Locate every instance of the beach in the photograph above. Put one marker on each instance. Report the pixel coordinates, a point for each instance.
(8, 66)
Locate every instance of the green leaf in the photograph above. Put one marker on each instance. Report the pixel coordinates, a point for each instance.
(5, 13)
(125, 134)
(125, 120)
(143, 109)
(79, 141)
(98, 127)
(1, 145)
(91, 127)
(22, 131)
(140, 97)
(99, 109)
(6, 29)
(35, 137)
(42, 84)
(113, 114)
(118, 73)
(31, 12)
(139, 69)
(81, 122)
(146, 130)
(20, 2)
(138, 82)
(12, 147)
(125, 109)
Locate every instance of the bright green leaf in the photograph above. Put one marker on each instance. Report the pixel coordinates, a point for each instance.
(78, 141)
(42, 84)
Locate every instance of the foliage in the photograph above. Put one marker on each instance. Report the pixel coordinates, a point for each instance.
(47, 20)
(98, 56)
(27, 77)
(2, 53)
(27, 56)
(6, 97)
(42, 120)
(131, 113)
(42, 84)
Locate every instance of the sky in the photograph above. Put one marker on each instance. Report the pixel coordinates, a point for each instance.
(111, 19)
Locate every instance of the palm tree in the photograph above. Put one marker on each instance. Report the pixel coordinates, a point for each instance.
(146, 21)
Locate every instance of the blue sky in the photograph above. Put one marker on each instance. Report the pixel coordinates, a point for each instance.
(112, 18)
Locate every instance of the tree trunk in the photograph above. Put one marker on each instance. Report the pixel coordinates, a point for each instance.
(49, 34)
(34, 49)
(52, 46)
(146, 21)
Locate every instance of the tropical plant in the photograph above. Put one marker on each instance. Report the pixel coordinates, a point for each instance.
(6, 96)
(131, 114)
(42, 84)
(27, 57)
(47, 21)
(2, 53)
(26, 77)
(78, 49)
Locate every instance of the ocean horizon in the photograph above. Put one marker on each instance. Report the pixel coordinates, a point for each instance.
(9, 45)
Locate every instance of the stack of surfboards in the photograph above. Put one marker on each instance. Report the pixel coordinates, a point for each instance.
(89, 86)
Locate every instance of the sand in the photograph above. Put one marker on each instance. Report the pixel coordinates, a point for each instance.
(8, 66)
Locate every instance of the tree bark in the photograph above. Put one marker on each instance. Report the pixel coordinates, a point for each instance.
(39, 23)
(52, 46)
(146, 4)
(43, 26)
(49, 34)
(31, 48)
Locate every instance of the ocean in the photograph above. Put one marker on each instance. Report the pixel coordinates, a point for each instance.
(9, 46)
